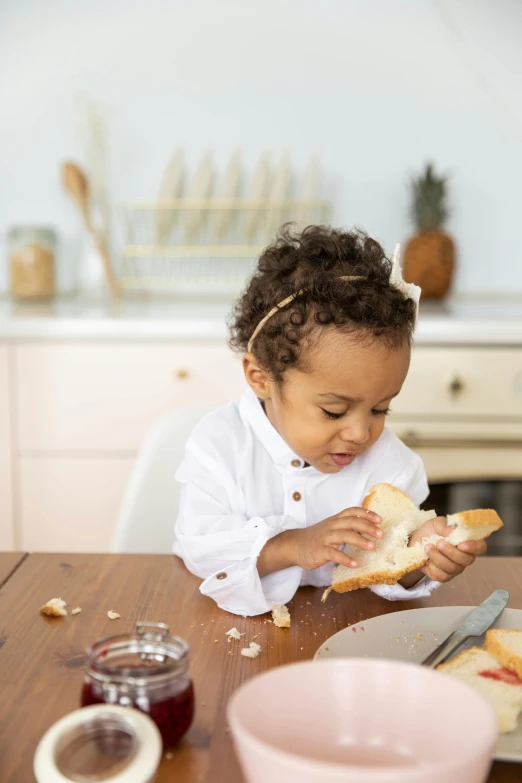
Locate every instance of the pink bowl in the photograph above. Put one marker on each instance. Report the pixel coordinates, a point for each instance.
(361, 721)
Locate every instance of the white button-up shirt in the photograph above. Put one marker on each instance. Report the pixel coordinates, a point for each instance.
(242, 485)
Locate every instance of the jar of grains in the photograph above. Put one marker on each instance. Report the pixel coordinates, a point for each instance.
(31, 256)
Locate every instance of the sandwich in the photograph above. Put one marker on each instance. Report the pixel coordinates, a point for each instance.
(494, 671)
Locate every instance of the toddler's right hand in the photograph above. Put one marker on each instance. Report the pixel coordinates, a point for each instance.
(319, 544)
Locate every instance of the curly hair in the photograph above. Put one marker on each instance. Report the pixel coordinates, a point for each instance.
(311, 262)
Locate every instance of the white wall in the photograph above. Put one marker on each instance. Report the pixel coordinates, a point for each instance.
(375, 86)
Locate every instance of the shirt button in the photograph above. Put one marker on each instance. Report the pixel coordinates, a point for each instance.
(296, 463)
(296, 496)
(222, 575)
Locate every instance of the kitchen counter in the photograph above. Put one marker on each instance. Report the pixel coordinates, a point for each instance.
(457, 322)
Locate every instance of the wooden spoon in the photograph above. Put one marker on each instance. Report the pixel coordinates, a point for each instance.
(77, 185)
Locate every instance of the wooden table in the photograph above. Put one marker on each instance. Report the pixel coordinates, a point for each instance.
(9, 562)
(41, 660)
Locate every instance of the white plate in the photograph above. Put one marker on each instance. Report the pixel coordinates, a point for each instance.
(411, 636)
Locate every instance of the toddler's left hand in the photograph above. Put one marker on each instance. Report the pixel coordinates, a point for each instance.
(445, 560)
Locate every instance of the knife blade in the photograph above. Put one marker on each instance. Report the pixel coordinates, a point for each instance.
(475, 624)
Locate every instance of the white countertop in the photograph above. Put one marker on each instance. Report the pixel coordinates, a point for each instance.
(478, 321)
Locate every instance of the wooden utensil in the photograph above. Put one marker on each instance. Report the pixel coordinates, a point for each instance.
(77, 185)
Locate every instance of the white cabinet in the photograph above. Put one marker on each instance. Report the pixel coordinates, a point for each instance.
(468, 383)
(73, 415)
(104, 397)
(70, 504)
(80, 412)
(7, 540)
(461, 410)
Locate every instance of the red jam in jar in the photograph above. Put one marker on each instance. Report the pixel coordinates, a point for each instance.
(147, 670)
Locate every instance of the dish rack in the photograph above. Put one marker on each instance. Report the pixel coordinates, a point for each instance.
(197, 245)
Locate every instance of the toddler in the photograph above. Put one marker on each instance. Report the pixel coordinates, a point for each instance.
(272, 485)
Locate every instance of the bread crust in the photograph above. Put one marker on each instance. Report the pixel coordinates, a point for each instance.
(479, 517)
(504, 656)
(376, 578)
(463, 654)
(372, 492)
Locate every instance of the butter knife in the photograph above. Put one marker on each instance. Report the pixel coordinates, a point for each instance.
(475, 624)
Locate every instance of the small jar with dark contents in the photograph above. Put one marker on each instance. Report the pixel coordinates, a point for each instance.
(148, 670)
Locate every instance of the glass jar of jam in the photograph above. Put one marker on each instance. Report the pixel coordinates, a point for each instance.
(148, 670)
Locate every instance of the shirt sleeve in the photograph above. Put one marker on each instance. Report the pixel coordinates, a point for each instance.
(423, 589)
(220, 544)
(414, 482)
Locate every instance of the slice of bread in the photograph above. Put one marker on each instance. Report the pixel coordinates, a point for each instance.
(392, 505)
(503, 689)
(392, 558)
(506, 647)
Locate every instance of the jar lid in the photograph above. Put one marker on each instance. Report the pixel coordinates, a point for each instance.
(149, 653)
(99, 743)
(35, 233)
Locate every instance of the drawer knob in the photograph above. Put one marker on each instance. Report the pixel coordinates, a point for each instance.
(456, 386)
(182, 374)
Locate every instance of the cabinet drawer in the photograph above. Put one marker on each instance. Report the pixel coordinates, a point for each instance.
(471, 464)
(102, 397)
(70, 505)
(470, 382)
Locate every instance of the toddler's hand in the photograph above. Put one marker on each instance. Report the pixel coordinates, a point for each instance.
(445, 560)
(319, 544)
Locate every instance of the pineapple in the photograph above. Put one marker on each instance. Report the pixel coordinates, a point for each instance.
(429, 257)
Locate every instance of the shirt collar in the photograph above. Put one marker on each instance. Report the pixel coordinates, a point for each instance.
(252, 410)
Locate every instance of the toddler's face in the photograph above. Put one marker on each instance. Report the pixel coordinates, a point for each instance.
(335, 411)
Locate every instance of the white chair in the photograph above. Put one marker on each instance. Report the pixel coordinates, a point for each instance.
(150, 504)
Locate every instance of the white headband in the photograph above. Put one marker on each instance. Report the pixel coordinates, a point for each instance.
(409, 290)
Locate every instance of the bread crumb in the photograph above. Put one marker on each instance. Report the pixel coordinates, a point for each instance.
(54, 608)
(216, 641)
(76, 611)
(113, 615)
(418, 638)
(233, 634)
(252, 651)
(169, 756)
(326, 594)
(281, 616)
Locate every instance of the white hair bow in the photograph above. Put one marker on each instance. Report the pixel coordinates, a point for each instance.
(410, 290)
